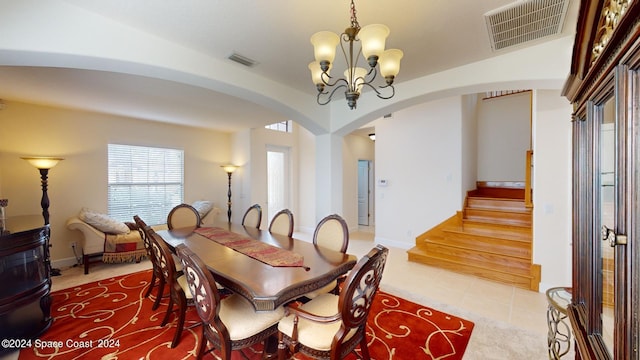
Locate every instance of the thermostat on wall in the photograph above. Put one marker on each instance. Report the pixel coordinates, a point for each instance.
(383, 182)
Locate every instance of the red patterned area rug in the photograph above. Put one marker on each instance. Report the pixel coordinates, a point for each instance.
(110, 319)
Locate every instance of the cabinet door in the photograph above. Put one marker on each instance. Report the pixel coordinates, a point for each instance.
(601, 225)
(607, 187)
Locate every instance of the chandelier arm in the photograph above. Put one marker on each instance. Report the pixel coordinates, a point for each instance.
(330, 94)
(327, 82)
(346, 38)
(372, 70)
(393, 92)
(379, 93)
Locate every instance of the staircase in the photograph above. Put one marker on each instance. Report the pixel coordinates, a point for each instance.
(491, 238)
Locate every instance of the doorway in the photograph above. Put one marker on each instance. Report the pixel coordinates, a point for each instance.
(365, 195)
(278, 180)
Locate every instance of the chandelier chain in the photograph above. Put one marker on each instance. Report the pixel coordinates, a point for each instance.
(354, 18)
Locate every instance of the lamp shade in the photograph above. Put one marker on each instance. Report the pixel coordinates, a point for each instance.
(390, 62)
(43, 162)
(229, 168)
(316, 72)
(358, 78)
(373, 38)
(324, 45)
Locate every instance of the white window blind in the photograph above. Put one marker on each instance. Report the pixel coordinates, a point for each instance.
(144, 181)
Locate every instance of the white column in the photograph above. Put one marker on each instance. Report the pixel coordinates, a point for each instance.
(329, 176)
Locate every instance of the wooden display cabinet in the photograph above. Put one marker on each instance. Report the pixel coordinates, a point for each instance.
(25, 282)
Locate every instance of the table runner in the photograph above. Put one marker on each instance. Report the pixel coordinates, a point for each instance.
(256, 249)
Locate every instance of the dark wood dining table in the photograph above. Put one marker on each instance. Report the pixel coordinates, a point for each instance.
(265, 286)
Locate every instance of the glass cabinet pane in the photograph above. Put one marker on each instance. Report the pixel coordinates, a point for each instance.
(24, 270)
(607, 189)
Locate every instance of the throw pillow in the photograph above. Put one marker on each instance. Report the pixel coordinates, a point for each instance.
(103, 222)
(202, 207)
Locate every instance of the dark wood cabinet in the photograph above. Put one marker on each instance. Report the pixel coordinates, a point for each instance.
(25, 282)
(604, 87)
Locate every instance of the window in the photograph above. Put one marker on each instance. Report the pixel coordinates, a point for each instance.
(144, 181)
(284, 126)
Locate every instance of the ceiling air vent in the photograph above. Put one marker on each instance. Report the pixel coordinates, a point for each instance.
(242, 60)
(524, 21)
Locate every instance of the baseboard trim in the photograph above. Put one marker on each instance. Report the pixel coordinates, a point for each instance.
(393, 243)
(63, 263)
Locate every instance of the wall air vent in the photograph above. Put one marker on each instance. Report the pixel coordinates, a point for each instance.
(240, 59)
(524, 21)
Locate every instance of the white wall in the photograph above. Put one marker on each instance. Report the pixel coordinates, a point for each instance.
(306, 217)
(418, 152)
(552, 188)
(504, 133)
(81, 179)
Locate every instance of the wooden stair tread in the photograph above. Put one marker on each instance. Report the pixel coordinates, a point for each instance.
(424, 253)
(492, 233)
(524, 281)
(491, 238)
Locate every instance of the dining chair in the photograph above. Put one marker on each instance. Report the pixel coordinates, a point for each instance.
(157, 280)
(178, 293)
(228, 324)
(282, 223)
(183, 215)
(331, 326)
(330, 233)
(253, 216)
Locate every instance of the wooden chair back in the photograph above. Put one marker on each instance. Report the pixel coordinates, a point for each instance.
(183, 215)
(282, 223)
(162, 254)
(143, 234)
(332, 233)
(253, 216)
(204, 291)
(360, 288)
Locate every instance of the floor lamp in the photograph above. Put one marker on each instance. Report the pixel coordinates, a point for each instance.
(229, 169)
(44, 164)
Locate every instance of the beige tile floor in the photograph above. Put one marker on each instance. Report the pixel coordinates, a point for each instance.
(507, 304)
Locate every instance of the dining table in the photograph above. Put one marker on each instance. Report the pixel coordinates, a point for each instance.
(293, 267)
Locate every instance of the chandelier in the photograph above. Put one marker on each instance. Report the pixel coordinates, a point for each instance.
(372, 40)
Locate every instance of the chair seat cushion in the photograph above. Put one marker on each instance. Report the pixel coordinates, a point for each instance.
(323, 290)
(312, 334)
(176, 260)
(182, 281)
(242, 320)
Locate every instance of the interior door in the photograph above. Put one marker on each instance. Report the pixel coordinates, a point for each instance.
(363, 192)
(278, 180)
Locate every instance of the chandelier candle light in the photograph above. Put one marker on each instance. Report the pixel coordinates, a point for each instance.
(372, 42)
